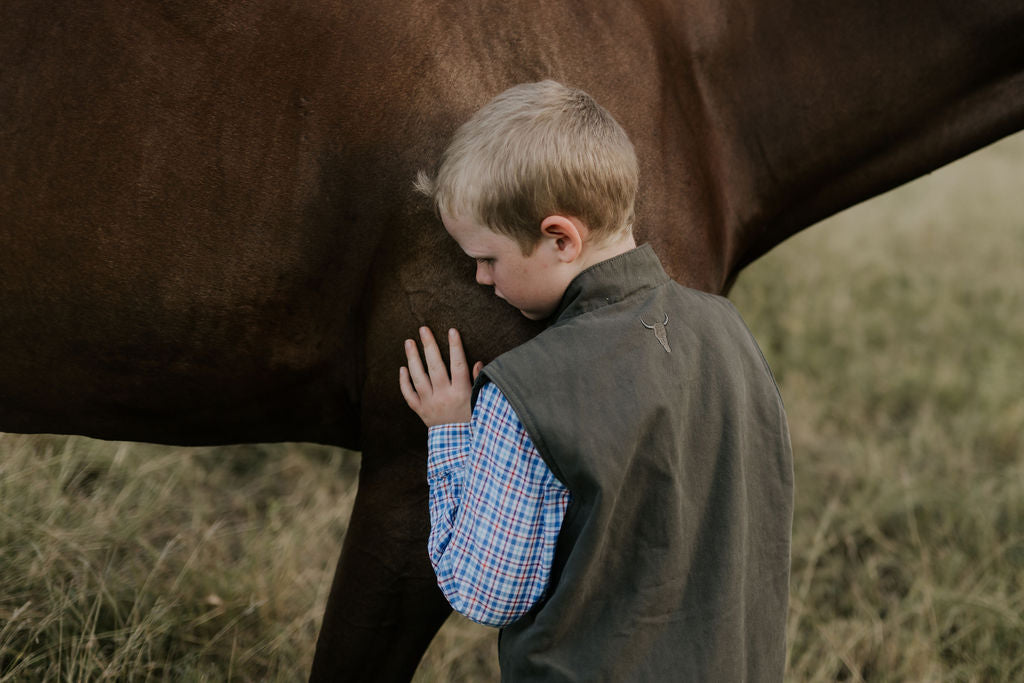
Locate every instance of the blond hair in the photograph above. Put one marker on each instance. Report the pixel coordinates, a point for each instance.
(535, 150)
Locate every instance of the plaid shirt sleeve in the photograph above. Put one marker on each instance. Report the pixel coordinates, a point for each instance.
(495, 513)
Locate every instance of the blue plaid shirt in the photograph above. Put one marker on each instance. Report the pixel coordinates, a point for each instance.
(495, 513)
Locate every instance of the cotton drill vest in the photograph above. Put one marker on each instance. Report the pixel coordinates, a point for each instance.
(652, 403)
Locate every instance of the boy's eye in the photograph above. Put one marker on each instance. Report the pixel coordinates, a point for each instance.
(485, 261)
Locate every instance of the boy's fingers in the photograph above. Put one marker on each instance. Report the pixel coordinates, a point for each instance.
(416, 373)
(408, 392)
(458, 357)
(435, 364)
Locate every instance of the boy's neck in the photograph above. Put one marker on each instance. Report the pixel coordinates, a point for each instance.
(595, 253)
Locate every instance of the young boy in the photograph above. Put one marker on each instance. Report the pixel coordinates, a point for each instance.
(615, 493)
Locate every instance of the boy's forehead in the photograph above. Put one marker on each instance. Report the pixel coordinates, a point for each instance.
(462, 233)
(472, 236)
(463, 228)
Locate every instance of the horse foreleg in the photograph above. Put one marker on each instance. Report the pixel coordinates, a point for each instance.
(384, 606)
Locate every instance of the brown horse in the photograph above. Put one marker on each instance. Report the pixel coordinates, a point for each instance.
(208, 232)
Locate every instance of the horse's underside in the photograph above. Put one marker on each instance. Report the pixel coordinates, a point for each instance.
(208, 233)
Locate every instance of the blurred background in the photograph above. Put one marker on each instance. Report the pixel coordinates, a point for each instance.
(896, 333)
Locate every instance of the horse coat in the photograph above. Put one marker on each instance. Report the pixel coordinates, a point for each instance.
(208, 232)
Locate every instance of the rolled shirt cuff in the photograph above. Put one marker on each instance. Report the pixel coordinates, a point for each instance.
(447, 448)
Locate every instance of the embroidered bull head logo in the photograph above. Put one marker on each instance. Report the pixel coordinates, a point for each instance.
(659, 331)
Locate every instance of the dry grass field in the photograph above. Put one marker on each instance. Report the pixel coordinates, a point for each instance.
(896, 331)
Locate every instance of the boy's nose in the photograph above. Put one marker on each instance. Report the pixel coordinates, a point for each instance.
(483, 274)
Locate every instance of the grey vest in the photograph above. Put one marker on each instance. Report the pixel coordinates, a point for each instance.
(673, 559)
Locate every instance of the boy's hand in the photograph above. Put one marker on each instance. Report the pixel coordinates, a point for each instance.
(431, 394)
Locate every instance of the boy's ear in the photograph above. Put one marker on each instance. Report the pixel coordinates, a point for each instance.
(568, 234)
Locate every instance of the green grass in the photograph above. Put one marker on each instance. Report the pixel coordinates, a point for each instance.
(130, 561)
(896, 332)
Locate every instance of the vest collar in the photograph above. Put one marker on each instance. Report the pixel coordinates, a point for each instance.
(611, 281)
